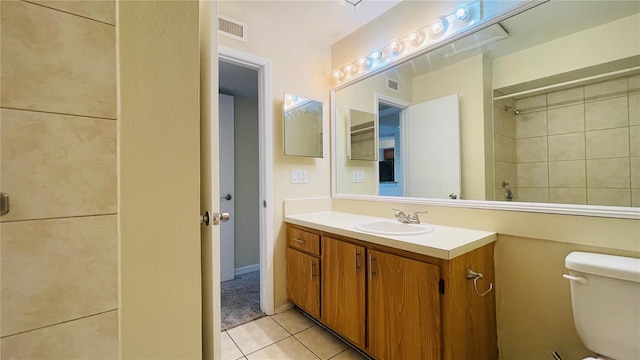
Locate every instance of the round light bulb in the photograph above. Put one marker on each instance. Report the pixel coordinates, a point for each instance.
(396, 46)
(364, 63)
(415, 38)
(437, 26)
(338, 74)
(377, 55)
(350, 69)
(462, 12)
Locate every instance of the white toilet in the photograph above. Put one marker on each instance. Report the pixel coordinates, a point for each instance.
(605, 296)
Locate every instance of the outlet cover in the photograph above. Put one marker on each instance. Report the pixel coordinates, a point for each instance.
(298, 176)
(358, 176)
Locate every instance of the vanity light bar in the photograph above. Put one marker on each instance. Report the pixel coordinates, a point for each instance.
(463, 16)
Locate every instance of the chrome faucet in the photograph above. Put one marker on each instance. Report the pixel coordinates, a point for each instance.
(408, 219)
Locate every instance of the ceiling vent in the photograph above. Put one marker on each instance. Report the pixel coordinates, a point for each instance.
(232, 28)
(393, 85)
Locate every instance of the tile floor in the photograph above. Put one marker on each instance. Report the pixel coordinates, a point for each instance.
(288, 335)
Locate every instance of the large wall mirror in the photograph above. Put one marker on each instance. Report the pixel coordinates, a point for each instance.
(546, 112)
(302, 126)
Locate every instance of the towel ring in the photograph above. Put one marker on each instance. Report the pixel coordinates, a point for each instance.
(475, 276)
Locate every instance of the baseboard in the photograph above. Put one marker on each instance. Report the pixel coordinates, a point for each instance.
(246, 269)
(284, 307)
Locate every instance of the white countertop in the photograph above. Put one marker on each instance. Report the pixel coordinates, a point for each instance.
(444, 242)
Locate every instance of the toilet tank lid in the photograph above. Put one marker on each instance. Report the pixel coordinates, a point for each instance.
(617, 267)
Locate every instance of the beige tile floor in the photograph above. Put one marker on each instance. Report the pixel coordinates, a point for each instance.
(288, 335)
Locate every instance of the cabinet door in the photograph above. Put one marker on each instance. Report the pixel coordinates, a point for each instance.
(404, 308)
(303, 281)
(343, 289)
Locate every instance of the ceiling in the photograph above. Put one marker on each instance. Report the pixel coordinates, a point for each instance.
(324, 20)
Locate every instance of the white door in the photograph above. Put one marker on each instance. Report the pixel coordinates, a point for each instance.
(432, 134)
(227, 194)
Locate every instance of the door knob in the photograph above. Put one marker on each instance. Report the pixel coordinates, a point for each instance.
(220, 217)
(215, 219)
(226, 197)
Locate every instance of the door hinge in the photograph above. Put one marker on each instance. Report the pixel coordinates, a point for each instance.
(441, 286)
(264, 203)
(4, 204)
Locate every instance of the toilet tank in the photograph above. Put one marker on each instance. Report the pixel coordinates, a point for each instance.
(605, 296)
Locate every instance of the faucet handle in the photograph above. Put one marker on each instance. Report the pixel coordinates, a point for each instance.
(402, 217)
(415, 217)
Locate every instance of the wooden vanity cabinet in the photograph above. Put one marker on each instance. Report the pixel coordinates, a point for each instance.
(404, 308)
(391, 303)
(303, 270)
(343, 275)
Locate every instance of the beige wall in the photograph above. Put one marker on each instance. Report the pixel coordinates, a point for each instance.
(160, 286)
(581, 50)
(58, 252)
(303, 69)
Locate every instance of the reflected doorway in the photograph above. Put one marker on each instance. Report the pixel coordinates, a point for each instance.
(390, 169)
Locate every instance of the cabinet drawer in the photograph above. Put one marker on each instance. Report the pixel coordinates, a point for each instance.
(304, 240)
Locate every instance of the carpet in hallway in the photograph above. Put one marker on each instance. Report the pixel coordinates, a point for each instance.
(240, 300)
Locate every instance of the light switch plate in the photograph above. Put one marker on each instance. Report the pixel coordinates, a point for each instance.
(358, 176)
(298, 176)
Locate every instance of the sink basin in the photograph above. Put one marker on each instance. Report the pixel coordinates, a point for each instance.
(389, 227)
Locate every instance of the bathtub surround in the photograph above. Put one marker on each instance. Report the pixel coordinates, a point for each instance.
(574, 146)
(58, 251)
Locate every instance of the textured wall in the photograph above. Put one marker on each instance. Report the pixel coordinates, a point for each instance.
(160, 287)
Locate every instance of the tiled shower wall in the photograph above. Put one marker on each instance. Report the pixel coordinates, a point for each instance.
(58, 244)
(575, 146)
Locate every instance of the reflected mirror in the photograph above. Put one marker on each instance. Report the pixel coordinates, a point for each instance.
(302, 126)
(547, 110)
(362, 135)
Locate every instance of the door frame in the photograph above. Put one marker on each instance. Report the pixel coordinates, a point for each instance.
(265, 119)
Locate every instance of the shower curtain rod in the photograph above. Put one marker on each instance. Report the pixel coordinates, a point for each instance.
(572, 82)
